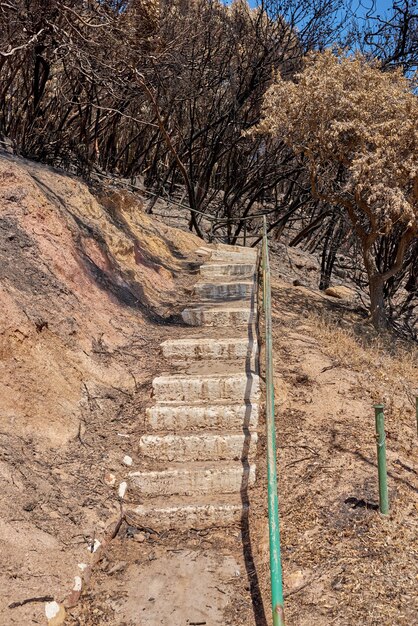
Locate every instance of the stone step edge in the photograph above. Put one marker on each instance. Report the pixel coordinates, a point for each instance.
(251, 429)
(190, 447)
(226, 281)
(228, 306)
(197, 404)
(234, 349)
(191, 515)
(210, 433)
(238, 376)
(163, 417)
(208, 340)
(198, 478)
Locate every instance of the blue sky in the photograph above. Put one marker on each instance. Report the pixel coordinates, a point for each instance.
(359, 6)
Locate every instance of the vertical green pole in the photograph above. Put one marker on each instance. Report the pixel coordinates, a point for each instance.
(416, 410)
(273, 500)
(381, 459)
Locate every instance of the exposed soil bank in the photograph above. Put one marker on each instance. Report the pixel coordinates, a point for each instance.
(86, 285)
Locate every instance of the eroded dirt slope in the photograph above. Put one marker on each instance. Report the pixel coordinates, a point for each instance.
(86, 283)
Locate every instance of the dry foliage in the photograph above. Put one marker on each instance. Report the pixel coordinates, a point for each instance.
(160, 90)
(391, 368)
(355, 126)
(158, 93)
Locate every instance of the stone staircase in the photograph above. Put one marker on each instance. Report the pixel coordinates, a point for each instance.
(202, 431)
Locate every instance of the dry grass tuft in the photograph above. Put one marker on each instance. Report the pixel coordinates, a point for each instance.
(388, 368)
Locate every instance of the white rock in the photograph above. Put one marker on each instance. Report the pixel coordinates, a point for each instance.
(110, 479)
(122, 489)
(52, 609)
(77, 583)
(82, 566)
(96, 545)
(55, 613)
(127, 460)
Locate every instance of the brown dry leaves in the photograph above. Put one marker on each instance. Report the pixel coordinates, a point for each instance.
(387, 368)
(344, 113)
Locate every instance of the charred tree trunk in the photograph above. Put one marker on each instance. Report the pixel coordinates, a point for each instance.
(376, 290)
(377, 302)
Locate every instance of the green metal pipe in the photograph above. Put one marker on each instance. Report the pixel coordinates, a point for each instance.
(273, 500)
(381, 459)
(416, 411)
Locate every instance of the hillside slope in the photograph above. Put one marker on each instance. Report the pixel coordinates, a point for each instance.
(85, 286)
(90, 288)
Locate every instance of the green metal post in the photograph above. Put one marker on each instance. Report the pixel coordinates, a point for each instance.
(381, 459)
(416, 410)
(273, 501)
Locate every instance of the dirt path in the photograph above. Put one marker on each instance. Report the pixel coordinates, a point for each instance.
(182, 555)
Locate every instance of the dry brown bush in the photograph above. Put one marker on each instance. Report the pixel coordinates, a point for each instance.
(355, 126)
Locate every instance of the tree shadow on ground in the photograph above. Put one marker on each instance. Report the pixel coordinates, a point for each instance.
(341, 314)
(252, 575)
(115, 280)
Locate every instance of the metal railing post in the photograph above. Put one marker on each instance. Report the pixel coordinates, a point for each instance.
(273, 500)
(416, 410)
(381, 459)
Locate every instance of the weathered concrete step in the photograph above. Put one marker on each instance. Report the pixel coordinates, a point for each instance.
(222, 477)
(215, 367)
(182, 417)
(232, 248)
(204, 251)
(224, 291)
(180, 388)
(245, 255)
(185, 512)
(202, 447)
(237, 315)
(235, 252)
(204, 348)
(216, 270)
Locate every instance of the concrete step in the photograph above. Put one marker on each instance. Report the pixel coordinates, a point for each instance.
(224, 291)
(189, 512)
(226, 259)
(201, 447)
(239, 348)
(234, 249)
(236, 315)
(222, 477)
(235, 252)
(181, 388)
(204, 251)
(175, 418)
(215, 367)
(217, 270)
(244, 255)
